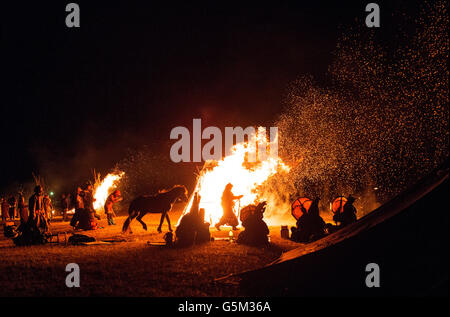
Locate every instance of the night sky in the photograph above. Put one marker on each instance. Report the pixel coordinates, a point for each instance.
(133, 71)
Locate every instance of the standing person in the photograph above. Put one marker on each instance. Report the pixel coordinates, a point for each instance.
(229, 217)
(113, 198)
(36, 218)
(89, 199)
(48, 207)
(22, 209)
(78, 199)
(65, 205)
(12, 207)
(4, 209)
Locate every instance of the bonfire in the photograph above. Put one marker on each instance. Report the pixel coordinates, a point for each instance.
(246, 177)
(102, 189)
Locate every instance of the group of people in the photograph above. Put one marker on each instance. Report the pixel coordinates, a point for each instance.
(36, 216)
(255, 229)
(85, 215)
(13, 208)
(310, 225)
(193, 229)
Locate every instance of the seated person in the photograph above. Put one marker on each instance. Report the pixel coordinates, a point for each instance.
(310, 226)
(192, 228)
(83, 219)
(203, 234)
(256, 229)
(348, 214)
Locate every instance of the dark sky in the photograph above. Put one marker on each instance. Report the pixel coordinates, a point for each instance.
(133, 71)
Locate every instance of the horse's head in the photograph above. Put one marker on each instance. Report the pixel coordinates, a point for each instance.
(181, 193)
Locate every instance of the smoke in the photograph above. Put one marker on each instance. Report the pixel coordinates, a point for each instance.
(148, 170)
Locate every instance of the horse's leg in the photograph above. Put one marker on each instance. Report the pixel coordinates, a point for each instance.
(163, 214)
(127, 223)
(139, 218)
(168, 221)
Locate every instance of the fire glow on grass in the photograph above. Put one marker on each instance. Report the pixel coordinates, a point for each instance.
(246, 177)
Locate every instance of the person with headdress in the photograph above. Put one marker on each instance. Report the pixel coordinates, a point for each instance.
(256, 230)
(228, 217)
(36, 217)
(109, 211)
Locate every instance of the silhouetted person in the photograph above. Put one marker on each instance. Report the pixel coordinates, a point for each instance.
(48, 207)
(300, 233)
(316, 224)
(203, 234)
(65, 205)
(348, 215)
(83, 219)
(23, 210)
(84, 216)
(88, 199)
(4, 209)
(35, 230)
(192, 228)
(36, 217)
(256, 229)
(12, 207)
(109, 211)
(186, 230)
(78, 200)
(229, 217)
(310, 226)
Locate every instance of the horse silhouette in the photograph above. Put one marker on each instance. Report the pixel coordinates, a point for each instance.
(160, 203)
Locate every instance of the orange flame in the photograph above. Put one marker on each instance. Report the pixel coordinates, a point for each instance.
(235, 169)
(103, 189)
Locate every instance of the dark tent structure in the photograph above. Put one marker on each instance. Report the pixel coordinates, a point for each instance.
(407, 238)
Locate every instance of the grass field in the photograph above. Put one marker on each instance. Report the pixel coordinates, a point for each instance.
(132, 268)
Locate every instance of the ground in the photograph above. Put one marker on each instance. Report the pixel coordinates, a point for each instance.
(134, 267)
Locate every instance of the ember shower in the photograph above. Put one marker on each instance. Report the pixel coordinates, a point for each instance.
(379, 126)
(383, 122)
